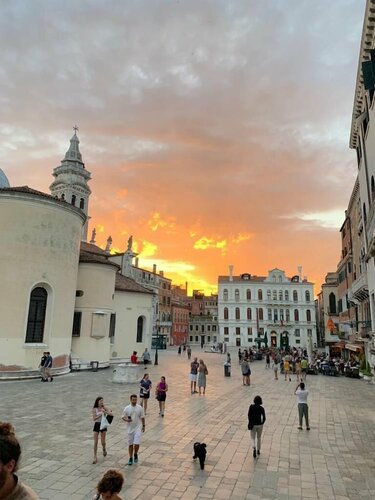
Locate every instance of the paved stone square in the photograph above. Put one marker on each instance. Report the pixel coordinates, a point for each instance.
(335, 460)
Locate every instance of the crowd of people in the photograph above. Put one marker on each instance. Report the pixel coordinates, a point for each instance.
(109, 487)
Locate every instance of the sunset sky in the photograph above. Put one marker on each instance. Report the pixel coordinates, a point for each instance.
(216, 132)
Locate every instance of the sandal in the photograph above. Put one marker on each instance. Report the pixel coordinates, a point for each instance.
(104, 452)
(95, 461)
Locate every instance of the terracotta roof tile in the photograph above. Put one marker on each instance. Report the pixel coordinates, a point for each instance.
(90, 258)
(91, 248)
(125, 284)
(27, 190)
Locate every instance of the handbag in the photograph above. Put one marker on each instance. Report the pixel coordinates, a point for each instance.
(109, 419)
(103, 423)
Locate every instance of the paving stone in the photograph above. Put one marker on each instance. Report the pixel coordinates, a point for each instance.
(334, 460)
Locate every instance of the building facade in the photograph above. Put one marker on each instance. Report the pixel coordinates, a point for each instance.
(271, 310)
(203, 319)
(59, 293)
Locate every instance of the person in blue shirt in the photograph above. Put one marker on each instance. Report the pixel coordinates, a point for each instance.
(144, 390)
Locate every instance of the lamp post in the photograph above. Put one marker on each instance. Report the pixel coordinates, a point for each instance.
(156, 362)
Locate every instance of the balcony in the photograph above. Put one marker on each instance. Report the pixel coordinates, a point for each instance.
(370, 230)
(359, 290)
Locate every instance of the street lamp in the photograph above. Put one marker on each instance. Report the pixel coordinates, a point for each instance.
(156, 362)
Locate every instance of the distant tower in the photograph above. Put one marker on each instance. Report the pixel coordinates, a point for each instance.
(71, 180)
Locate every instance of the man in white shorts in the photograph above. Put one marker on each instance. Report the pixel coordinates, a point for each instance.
(193, 376)
(134, 416)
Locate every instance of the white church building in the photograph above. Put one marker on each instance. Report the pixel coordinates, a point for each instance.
(58, 292)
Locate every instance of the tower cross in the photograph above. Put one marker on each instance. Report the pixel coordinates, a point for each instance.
(75, 128)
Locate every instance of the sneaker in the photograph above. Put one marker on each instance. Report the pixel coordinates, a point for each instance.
(162, 414)
(254, 453)
(307, 428)
(300, 428)
(135, 458)
(130, 461)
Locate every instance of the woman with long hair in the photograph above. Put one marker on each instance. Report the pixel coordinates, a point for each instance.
(99, 410)
(10, 452)
(161, 394)
(202, 373)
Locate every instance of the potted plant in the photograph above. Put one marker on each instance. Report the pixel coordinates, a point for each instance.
(367, 374)
(362, 366)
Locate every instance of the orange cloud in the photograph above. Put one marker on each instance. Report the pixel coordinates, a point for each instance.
(157, 222)
(204, 243)
(242, 237)
(148, 249)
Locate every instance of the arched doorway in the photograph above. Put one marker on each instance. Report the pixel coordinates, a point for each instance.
(284, 340)
(273, 339)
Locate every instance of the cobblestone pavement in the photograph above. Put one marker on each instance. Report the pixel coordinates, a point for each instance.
(335, 460)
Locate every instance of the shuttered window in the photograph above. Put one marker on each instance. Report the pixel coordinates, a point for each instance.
(37, 315)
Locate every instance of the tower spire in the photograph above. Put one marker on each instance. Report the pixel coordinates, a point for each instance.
(71, 180)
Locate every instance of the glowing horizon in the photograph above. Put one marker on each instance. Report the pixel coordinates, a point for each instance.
(221, 143)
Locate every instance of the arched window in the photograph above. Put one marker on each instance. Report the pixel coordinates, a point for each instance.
(307, 296)
(280, 295)
(295, 296)
(249, 313)
(260, 294)
(163, 316)
(308, 315)
(260, 313)
(225, 294)
(364, 213)
(296, 315)
(236, 295)
(248, 294)
(226, 316)
(287, 315)
(286, 295)
(63, 196)
(269, 294)
(74, 200)
(37, 315)
(140, 329)
(332, 303)
(238, 314)
(274, 295)
(82, 204)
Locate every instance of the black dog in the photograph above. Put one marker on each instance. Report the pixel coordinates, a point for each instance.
(200, 452)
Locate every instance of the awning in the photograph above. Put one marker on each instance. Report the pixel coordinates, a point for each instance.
(339, 345)
(353, 347)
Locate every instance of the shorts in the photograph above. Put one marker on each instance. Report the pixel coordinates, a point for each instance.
(145, 395)
(193, 377)
(97, 428)
(161, 397)
(134, 437)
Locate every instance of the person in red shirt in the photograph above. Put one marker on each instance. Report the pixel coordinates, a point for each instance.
(133, 358)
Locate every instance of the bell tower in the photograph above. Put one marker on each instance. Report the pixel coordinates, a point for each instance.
(71, 180)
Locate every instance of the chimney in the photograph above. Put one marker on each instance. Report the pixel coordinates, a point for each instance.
(136, 261)
(154, 268)
(231, 272)
(300, 273)
(161, 273)
(186, 286)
